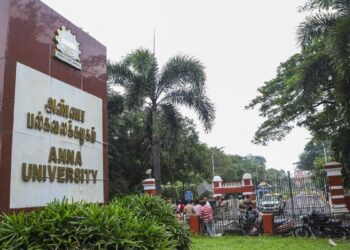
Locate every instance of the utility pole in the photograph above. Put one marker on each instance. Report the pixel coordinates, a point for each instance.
(324, 153)
(154, 42)
(212, 163)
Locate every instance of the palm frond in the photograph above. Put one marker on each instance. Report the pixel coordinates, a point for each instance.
(339, 48)
(137, 73)
(181, 71)
(196, 100)
(314, 26)
(143, 64)
(135, 93)
(171, 120)
(340, 6)
(141, 60)
(118, 74)
(317, 4)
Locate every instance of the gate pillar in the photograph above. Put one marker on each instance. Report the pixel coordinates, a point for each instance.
(248, 188)
(268, 224)
(336, 191)
(149, 186)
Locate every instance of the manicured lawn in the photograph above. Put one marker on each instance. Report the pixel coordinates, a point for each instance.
(262, 243)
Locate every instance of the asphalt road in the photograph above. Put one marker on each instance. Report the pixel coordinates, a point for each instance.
(304, 204)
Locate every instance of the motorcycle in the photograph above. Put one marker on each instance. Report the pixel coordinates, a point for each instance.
(248, 222)
(320, 225)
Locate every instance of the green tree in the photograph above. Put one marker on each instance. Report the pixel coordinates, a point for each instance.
(312, 151)
(312, 87)
(184, 158)
(272, 174)
(233, 167)
(180, 82)
(128, 147)
(318, 168)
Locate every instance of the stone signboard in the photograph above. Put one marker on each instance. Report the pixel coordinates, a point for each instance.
(53, 125)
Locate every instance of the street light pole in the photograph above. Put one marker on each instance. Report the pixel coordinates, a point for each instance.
(212, 161)
(324, 153)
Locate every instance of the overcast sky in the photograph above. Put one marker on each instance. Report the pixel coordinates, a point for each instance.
(241, 43)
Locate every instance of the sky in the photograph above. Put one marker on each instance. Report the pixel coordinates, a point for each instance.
(241, 44)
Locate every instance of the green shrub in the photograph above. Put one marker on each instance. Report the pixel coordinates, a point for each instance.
(135, 222)
(156, 208)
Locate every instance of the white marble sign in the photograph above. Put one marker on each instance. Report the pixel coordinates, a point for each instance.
(41, 171)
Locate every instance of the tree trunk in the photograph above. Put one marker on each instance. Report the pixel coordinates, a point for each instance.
(156, 150)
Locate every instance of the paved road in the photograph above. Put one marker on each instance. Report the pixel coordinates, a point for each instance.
(304, 204)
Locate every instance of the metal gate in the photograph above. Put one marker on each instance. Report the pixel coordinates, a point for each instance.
(292, 197)
(285, 198)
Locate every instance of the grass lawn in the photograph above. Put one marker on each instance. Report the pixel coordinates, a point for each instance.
(264, 242)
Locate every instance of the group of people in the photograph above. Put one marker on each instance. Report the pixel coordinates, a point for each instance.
(187, 208)
(244, 202)
(203, 209)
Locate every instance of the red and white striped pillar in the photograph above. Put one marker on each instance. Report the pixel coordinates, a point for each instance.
(335, 184)
(248, 188)
(149, 186)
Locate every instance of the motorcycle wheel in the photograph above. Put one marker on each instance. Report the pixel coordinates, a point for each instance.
(301, 232)
(339, 233)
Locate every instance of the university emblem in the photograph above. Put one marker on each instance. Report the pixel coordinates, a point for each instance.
(67, 48)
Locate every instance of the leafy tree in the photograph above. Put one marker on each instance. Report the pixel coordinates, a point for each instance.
(272, 174)
(312, 151)
(318, 168)
(233, 167)
(128, 147)
(184, 158)
(312, 87)
(220, 161)
(180, 82)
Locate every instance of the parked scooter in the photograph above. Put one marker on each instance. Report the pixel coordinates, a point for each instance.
(320, 225)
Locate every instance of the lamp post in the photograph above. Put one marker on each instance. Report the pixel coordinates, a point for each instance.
(212, 161)
(324, 153)
(183, 184)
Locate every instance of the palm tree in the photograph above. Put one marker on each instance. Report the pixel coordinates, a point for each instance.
(180, 82)
(321, 23)
(330, 26)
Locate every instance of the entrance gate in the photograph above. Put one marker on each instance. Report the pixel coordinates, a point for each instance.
(285, 198)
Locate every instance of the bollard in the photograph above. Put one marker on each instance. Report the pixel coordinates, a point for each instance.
(194, 223)
(268, 224)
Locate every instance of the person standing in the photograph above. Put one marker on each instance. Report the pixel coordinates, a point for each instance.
(206, 200)
(180, 207)
(206, 214)
(188, 210)
(197, 207)
(222, 203)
